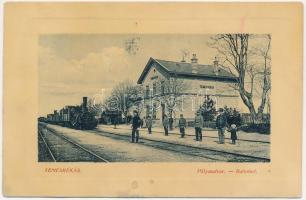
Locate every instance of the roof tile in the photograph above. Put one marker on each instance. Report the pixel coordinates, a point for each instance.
(186, 68)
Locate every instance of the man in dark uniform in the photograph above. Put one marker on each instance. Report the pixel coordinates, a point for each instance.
(135, 125)
(182, 125)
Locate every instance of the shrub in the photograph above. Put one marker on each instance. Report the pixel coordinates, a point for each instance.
(208, 109)
(233, 116)
(263, 128)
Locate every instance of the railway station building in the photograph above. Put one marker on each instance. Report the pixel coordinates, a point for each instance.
(182, 87)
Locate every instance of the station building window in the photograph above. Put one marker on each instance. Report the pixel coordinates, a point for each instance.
(154, 88)
(154, 111)
(147, 91)
(162, 87)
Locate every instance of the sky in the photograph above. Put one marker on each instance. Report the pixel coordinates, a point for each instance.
(75, 65)
(72, 66)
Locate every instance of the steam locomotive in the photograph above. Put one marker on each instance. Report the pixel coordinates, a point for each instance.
(77, 117)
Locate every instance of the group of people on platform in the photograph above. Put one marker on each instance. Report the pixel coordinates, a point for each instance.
(221, 125)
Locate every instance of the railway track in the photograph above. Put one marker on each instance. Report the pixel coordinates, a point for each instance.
(211, 154)
(45, 153)
(216, 155)
(63, 149)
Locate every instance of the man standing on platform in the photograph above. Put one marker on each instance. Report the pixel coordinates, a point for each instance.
(221, 124)
(198, 124)
(166, 124)
(149, 124)
(135, 126)
(182, 125)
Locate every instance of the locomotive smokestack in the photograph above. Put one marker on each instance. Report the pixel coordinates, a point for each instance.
(216, 66)
(194, 63)
(84, 106)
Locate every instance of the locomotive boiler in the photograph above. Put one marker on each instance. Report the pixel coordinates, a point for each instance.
(77, 117)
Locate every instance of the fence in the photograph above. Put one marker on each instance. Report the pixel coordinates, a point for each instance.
(247, 119)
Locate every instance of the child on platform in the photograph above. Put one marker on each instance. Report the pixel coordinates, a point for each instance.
(233, 129)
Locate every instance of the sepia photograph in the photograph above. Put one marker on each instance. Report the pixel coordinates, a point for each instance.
(154, 97)
(152, 100)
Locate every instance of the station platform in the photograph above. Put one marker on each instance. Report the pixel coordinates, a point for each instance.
(251, 144)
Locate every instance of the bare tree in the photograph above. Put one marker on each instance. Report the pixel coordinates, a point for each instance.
(95, 107)
(247, 57)
(124, 96)
(171, 90)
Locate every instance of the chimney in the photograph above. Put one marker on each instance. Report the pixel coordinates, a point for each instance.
(194, 58)
(216, 66)
(194, 63)
(84, 105)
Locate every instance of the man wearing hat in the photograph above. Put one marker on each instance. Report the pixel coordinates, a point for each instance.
(198, 124)
(182, 125)
(221, 124)
(166, 124)
(135, 126)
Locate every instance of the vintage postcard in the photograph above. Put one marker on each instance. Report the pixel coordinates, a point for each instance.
(152, 99)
